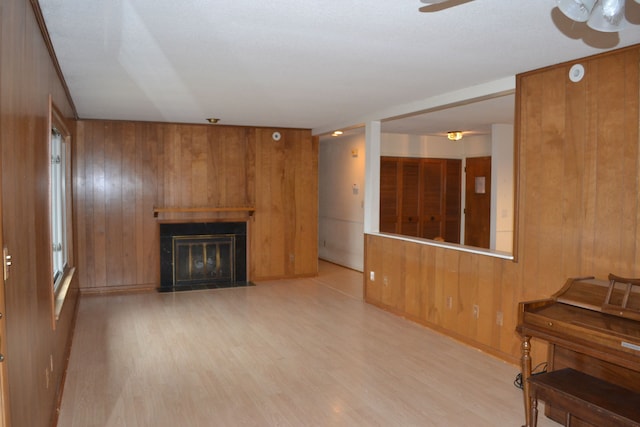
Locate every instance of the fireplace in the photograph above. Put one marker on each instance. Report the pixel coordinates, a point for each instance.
(203, 255)
(202, 259)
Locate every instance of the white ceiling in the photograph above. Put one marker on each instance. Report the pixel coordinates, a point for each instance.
(303, 63)
(473, 118)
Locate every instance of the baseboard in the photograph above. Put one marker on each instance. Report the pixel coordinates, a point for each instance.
(115, 290)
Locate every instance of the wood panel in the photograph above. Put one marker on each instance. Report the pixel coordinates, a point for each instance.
(284, 228)
(34, 353)
(129, 168)
(578, 191)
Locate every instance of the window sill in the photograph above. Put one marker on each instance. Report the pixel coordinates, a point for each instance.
(445, 245)
(61, 292)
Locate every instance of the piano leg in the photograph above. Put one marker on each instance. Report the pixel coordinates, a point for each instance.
(525, 362)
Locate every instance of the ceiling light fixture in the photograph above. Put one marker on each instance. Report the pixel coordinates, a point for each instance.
(454, 135)
(337, 133)
(601, 15)
(213, 120)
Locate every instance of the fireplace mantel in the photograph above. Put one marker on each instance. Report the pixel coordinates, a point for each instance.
(245, 209)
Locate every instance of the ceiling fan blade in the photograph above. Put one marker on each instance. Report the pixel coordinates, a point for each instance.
(436, 5)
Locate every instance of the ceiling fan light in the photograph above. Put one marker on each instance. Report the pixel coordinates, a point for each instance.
(608, 16)
(578, 10)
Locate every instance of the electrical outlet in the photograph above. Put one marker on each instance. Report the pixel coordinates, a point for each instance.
(476, 311)
(449, 302)
(499, 318)
(372, 276)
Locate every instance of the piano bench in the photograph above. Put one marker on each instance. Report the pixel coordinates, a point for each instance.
(585, 397)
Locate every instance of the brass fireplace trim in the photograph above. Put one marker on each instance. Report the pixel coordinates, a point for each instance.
(227, 239)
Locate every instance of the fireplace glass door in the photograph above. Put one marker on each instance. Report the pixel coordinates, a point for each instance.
(203, 259)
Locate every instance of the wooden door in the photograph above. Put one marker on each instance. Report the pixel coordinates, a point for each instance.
(441, 195)
(409, 201)
(478, 202)
(389, 190)
(421, 197)
(452, 200)
(4, 387)
(433, 196)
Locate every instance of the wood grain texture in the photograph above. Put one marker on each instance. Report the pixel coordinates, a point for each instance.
(420, 197)
(283, 236)
(578, 190)
(298, 352)
(130, 171)
(28, 78)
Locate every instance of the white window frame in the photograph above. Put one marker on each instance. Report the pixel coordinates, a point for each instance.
(60, 210)
(57, 217)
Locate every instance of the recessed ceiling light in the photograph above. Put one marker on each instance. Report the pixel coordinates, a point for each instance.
(337, 133)
(213, 120)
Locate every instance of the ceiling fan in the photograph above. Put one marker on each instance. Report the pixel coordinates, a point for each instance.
(436, 5)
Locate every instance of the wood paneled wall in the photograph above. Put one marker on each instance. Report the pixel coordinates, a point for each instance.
(126, 169)
(29, 343)
(284, 229)
(578, 210)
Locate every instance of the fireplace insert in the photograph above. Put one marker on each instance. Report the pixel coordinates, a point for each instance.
(203, 255)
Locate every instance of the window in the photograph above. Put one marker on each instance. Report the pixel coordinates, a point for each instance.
(61, 226)
(58, 209)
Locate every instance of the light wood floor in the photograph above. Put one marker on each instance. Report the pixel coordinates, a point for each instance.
(303, 352)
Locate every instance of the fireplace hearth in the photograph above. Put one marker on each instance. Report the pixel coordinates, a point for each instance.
(203, 255)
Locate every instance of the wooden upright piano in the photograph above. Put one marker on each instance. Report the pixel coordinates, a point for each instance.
(592, 327)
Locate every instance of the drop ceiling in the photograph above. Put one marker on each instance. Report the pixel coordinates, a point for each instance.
(304, 64)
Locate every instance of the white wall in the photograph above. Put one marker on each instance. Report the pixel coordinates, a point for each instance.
(341, 164)
(502, 187)
(400, 145)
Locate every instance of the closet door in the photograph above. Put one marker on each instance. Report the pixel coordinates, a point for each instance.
(389, 194)
(410, 199)
(432, 192)
(421, 197)
(441, 185)
(453, 199)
